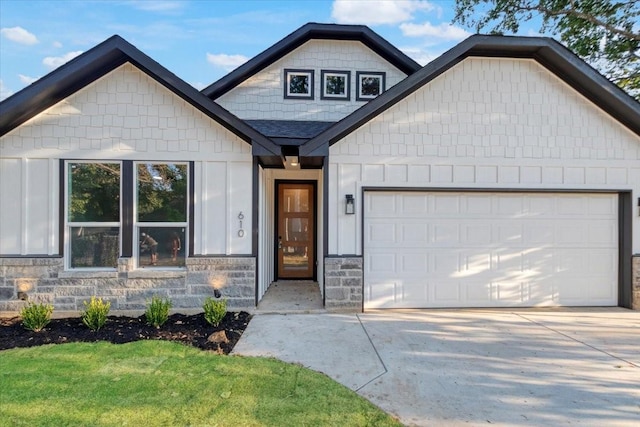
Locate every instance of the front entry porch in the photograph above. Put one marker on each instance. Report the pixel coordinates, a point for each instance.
(291, 296)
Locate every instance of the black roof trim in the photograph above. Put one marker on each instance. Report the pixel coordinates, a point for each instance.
(95, 63)
(548, 52)
(303, 34)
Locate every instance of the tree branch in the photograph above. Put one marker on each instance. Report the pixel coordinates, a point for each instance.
(589, 18)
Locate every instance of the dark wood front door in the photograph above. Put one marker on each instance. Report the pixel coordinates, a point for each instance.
(295, 231)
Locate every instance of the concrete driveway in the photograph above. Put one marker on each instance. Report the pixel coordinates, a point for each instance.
(473, 367)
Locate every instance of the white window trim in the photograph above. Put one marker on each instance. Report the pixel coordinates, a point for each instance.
(137, 225)
(70, 224)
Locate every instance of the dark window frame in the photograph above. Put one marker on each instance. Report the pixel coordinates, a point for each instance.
(360, 74)
(291, 71)
(347, 85)
(127, 200)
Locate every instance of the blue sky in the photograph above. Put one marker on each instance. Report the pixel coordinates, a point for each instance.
(201, 40)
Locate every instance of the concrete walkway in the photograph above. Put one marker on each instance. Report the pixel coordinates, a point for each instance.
(472, 367)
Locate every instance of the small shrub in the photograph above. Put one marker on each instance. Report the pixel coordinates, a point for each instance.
(214, 310)
(36, 316)
(95, 313)
(157, 311)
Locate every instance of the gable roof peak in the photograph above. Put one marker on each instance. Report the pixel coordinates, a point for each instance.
(548, 52)
(313, 31)
(96, 63)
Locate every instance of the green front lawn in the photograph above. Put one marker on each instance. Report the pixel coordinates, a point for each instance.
(149, 383)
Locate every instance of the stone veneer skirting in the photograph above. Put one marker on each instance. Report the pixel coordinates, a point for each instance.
(343, 281)
(45, 280)
(635, 282)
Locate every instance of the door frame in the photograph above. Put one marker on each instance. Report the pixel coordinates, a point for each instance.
(314, 222)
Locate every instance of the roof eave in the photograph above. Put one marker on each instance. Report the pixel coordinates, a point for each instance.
(96, 63)
(549, 53)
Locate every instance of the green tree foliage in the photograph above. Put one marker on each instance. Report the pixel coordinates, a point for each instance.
(162, 192)
(94, 192)
(605, 33)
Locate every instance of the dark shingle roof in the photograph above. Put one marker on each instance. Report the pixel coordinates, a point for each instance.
(289, 128)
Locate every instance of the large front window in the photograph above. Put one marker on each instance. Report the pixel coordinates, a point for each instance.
(115, 209)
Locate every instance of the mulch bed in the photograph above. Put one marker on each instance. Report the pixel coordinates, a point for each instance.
(188, 329)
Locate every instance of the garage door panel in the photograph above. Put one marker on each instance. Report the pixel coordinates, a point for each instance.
(478, 205)
(509, 233)
(509, 206)
(447, 233)
(383, 264)
(571, 206)
(414, 205)
(478, 293)
(414, 290)
(477, 234)
(414, 263)
(445, 293)
(414, 232)
(382, 234)
(602, 233)
(380, 204)
(382, 294)
(490, 249)
(448, 205)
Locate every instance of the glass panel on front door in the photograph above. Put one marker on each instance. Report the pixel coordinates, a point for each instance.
(295, 231)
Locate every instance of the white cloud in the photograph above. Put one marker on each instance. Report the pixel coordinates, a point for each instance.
(199, 85)
(56, 61)
(443, 31)
(420, 55)
(377, 11)
(26, 79)
(19, 35)
(227, 62)
(158, 5)
(4, 91)
(57, 44)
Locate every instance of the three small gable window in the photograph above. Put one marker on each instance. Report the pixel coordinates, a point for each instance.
(334, 84)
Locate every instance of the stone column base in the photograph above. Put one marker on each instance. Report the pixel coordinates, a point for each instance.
(343, 281)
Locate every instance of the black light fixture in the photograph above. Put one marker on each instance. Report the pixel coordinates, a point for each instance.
(638, 206)
(350, 206)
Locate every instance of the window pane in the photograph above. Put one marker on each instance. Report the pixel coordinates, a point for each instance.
(296, 200)
(335, 85)
(370, 86)
(162, 192)
(299, 84)
(161, 246)
(94, 192)
(94, 247)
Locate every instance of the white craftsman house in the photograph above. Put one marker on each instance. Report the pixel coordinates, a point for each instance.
(505, 173)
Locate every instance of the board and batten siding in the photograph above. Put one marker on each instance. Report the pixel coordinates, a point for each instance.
(125, 115)
(486, 123)
(262, 95)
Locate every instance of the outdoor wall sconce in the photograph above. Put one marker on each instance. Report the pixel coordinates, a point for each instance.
(638, 206)
(350, 206)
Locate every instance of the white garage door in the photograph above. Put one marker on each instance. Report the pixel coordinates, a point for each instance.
(457, 249)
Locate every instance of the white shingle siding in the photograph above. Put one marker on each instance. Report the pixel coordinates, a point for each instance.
(262, 95)
(125, 115)
(485, 123)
